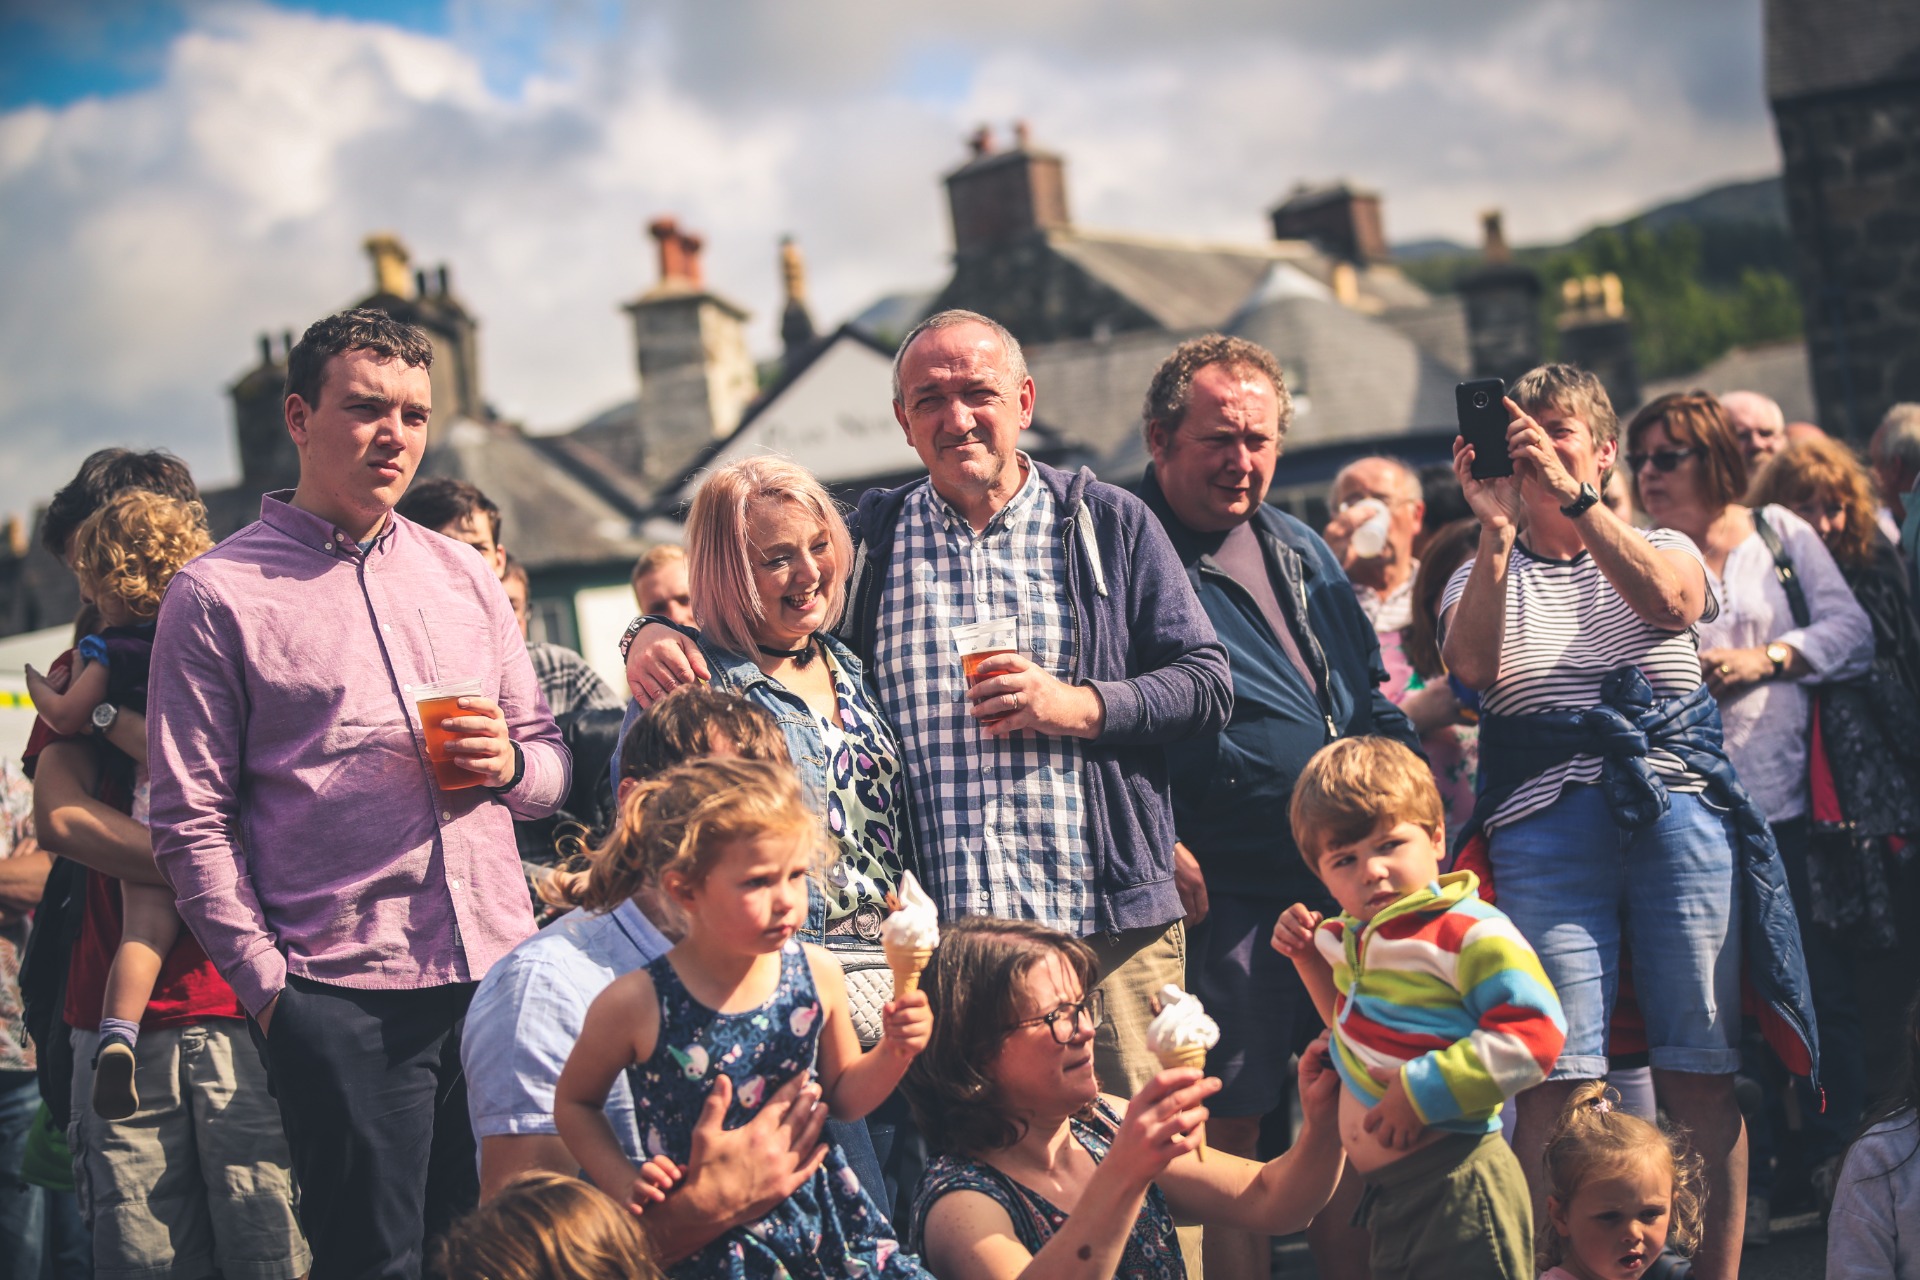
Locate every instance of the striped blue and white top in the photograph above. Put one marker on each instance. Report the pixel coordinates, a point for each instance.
(1566, 628)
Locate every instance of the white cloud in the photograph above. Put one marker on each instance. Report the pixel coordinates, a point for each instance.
(146, 238)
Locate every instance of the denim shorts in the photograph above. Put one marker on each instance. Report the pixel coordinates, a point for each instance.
(1578, 886)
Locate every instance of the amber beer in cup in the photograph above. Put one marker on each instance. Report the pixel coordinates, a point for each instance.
(439, 702)
(978, 641)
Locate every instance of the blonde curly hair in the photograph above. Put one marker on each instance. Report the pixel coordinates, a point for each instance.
(131, 547)
(1594, 1136)
(679, 820)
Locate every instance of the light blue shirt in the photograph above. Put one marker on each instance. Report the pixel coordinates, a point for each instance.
(528, 1012)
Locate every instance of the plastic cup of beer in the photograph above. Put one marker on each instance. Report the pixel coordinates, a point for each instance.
(978, 641)
(439, 702)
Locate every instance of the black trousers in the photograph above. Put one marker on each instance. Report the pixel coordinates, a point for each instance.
(375, 1108)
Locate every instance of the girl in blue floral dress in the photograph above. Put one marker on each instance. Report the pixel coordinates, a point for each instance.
(730, 845)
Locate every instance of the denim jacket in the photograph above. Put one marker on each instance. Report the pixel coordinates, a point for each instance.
(1629, 721)
(738, 674)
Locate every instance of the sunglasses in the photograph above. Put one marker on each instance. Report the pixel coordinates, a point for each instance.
(1662, 459)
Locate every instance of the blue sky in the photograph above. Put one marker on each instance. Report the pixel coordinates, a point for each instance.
(177, 176)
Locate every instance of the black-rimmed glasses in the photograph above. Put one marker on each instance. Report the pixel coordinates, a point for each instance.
(1063, 1022)
(1662, 459)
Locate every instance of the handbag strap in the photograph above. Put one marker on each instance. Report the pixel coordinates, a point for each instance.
(1783, 570)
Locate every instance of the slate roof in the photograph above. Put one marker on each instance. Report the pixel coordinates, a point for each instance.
(557, 509)
(1091, 389)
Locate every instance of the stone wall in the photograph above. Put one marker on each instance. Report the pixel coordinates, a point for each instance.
(1853, 195)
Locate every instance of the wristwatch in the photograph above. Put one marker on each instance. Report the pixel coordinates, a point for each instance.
(104, 715)
(1779, 655)
(1588, 499)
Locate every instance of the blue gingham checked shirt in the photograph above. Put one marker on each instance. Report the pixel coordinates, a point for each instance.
(1001, 823)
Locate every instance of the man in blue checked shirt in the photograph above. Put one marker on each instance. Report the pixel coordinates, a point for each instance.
(1039, 790)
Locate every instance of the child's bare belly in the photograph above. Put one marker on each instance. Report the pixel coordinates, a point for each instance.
(1364, 1150)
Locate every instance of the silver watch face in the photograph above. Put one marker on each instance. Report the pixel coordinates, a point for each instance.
(103, 715)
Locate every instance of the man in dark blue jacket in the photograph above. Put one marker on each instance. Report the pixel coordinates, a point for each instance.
(1306, 670)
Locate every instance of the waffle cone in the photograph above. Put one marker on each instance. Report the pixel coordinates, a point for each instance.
(1194, 1056)
(907, 964)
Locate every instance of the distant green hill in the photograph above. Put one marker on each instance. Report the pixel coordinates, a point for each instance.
(1700, 275)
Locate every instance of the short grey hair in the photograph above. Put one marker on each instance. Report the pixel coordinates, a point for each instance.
(1897, 438)
(950, 318)
(1767, 408)
(1410, 486)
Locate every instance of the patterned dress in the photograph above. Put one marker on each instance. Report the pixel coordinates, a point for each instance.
(829, 1227)
(1152, 1251)
(865, 809)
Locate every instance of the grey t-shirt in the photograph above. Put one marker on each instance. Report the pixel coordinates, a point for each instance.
(1240, 555)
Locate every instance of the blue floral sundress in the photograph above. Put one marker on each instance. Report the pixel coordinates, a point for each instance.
(829, 1227)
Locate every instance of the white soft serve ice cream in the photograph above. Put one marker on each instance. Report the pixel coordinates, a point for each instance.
(1182, 1023)
(914, 923)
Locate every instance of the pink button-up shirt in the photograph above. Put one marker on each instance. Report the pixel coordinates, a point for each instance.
(294, 807)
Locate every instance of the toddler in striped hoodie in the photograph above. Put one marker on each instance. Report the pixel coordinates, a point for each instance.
(1440, 1013)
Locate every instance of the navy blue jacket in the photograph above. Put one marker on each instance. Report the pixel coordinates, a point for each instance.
(1231, 788)
(1629, 721)
(1141, 641)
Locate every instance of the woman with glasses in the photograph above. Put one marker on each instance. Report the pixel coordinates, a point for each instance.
(1761, 657)
(1039, 1173)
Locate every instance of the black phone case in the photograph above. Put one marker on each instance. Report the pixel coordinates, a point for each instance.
(1484, 426)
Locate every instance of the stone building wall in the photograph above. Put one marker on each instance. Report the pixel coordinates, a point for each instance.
(1844, 80)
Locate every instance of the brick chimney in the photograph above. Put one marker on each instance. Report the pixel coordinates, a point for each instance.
(1502, 300)
(696, 374)
(1342, 221)
(998, 197)
(268, 459)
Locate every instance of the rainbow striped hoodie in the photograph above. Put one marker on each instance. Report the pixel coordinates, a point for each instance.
(1442, 986)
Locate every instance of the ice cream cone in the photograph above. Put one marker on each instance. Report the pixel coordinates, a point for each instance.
(1195, 1056)
(907, 964)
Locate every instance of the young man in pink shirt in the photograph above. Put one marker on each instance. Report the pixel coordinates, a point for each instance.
(351, 897)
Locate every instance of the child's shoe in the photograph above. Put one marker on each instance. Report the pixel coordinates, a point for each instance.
(114, 1097)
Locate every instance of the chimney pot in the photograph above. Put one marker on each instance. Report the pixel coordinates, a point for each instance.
(266, 349)
(442, 277)
(981, 142)
(679, 254)
(1493, 237)
(1346, 284)
(286, 342)
(1021, 135)
(389, 257)
(420, 283)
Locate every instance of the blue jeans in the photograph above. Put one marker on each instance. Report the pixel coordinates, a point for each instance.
(41, 1233)
(1576, 886)
(23, 1206)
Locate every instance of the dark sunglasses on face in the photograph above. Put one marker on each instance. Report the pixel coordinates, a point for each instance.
(1662, 459)
(1063, 1022)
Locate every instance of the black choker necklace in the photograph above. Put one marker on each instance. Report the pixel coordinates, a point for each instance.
(800, 657)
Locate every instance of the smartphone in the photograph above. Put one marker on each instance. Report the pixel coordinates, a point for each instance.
(1483, 421)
